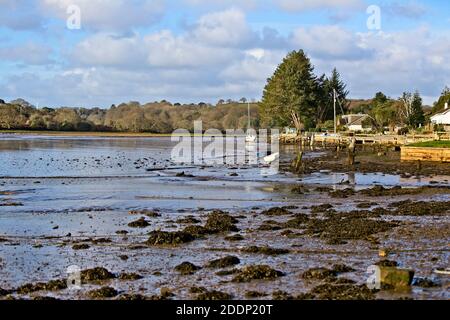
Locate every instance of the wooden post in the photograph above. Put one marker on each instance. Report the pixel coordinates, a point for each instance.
(297, 165)
(351, 152)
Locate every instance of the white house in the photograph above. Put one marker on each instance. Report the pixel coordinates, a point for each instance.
(442, 118)
(355, 122)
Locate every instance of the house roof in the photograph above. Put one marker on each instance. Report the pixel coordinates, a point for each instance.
(355, 119)
(441, 113)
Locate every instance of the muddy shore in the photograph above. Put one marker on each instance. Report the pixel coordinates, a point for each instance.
(295, 238)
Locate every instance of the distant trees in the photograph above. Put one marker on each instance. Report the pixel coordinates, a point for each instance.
(155, 117)
(386, 112)
(412, 110)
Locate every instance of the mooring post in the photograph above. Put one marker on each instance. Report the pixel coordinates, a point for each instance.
(351, 151)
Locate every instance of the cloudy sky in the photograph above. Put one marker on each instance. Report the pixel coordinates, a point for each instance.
(204, 50)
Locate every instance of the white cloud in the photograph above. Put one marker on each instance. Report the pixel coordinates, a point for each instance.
(245, 4)
(399, 61)
(329, 42)
(112, 15)
(218, 56)
(302, 5)
(19, 16)
(224, 28)
(409, 9)
(29, 53)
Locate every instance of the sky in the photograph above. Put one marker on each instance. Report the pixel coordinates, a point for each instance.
(95, 53)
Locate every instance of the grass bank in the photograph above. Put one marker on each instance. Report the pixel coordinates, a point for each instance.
(432, 144)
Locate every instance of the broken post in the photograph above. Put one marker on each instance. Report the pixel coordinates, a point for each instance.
(351, 152)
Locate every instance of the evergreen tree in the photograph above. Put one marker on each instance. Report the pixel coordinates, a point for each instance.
(324, 95)
(417, 116)
(290, 94)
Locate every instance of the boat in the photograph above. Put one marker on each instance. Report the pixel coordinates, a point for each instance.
(271, 158)
(250, 136)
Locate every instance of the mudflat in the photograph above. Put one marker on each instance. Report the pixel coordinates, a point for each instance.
(139, 226)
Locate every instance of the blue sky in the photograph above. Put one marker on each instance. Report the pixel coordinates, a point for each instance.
(205, 50)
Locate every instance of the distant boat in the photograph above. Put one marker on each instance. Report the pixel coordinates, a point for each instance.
(250, 137)
(271, 158)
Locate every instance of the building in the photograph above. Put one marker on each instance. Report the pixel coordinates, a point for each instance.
(442, 118)
(355, 122)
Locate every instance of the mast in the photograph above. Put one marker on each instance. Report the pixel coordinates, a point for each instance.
(248, 115)
(334, 106)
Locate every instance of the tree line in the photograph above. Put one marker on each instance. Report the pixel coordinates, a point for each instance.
(155, 117)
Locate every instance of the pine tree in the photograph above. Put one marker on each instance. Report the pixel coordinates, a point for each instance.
(417, 116)
(290, 94)
(325, 109)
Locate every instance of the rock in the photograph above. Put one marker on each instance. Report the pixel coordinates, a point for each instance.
(225, 262)
(53, 285)
(104, 292)
(276, 212)
(132, 297)
(188, 220)
(234, 237)
(342, 292)
(342, 268)
(255, 294)
(321, 208)
(198, 290)
(319, 274)
(257, 272)
(219, 221)
(130, 276)
(96, 274)
(345, 193)
(187, 268)
(169, 238)
(166, 292)
(297, 222)
(81, 246)
(140, 223)
(425, 283)
(265, 250)
(214, 295)
(197, 231)
(386, 263)
(281, 295)
(4, 292)
(392, 277)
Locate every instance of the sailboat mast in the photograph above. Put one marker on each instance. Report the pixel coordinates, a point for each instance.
(334, 105)
(248, 105)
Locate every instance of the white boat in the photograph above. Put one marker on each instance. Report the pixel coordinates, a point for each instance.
(271, 158)
(250, 137)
